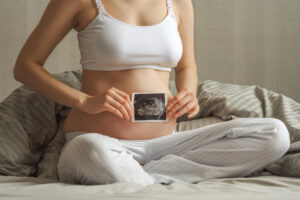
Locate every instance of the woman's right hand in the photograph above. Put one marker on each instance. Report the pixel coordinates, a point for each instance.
(113, 100)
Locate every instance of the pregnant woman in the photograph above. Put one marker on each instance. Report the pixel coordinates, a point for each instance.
(131, 46)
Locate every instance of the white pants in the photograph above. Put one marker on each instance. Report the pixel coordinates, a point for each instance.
(233, 148)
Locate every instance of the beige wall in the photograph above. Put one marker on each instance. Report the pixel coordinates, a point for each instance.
(237, 41)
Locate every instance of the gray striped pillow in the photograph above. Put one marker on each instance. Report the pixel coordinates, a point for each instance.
(27, 124)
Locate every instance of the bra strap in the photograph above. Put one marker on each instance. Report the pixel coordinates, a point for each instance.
(170, 9)
(100, 8)
(99, 3)
(169, 4)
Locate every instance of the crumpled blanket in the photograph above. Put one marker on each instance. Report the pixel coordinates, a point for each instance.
(225, 101)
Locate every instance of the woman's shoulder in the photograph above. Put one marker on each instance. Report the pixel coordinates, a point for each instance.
(180, 7)
(87, 12)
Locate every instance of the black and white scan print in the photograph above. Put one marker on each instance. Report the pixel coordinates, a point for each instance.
(149, 107)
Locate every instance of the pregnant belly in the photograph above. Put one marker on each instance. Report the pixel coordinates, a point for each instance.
(107, 123)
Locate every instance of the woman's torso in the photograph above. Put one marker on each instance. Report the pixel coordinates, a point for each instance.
(107, 123)
(129, 81)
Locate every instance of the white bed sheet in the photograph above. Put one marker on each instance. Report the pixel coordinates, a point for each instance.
(260, 187)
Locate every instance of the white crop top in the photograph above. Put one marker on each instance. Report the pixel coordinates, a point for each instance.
(108, 44)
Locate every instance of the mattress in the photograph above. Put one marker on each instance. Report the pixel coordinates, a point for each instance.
(260, 187)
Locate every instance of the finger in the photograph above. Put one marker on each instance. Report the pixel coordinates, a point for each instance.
(127, 97)
(118, 105)
(186, 109)
(113, 110)
(194, 112)
(180, 95)
(122, 93)
(169, 100)
(182, 111)
(116, 95)
(183, 101)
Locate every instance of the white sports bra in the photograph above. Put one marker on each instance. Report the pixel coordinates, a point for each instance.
(108, 44)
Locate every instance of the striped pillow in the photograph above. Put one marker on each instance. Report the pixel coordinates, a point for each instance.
(27, 124)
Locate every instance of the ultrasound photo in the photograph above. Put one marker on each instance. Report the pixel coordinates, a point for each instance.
(149, 107)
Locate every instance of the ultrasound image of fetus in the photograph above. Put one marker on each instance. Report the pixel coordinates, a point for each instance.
(150, 106)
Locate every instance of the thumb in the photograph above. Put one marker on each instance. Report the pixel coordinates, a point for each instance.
(170, 100)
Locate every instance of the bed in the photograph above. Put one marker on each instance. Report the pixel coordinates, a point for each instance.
(31, 139)
(262, 187)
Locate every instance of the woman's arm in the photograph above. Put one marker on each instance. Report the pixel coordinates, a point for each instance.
(59, 17)
(186, 77)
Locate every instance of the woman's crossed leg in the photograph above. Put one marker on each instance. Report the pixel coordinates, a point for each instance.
(233, 148)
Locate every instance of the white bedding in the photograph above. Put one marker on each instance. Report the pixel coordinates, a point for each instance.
(262, 187)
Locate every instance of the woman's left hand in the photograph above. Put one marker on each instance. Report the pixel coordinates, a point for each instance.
(184, 102)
